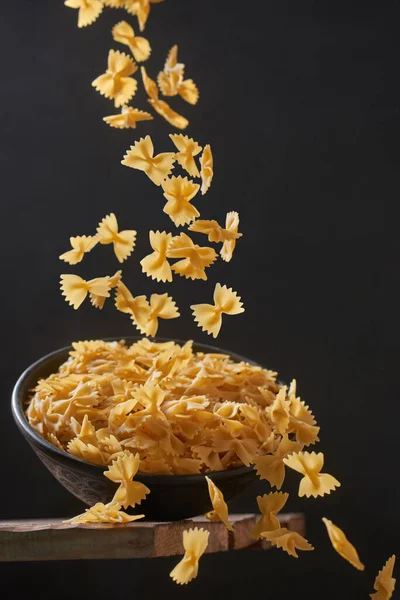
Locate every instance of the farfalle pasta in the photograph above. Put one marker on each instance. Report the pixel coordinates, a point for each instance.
(123, 33)
(89, 10)
(313, 482)
(209, 316)
(171, 80)
(116, 83)
(194, 259)
(342, 545)
(141, 157)
(219, 505)
(195, 542)
(80, 245)
(127, 118)
(122, 241)
(289, 541)
(160, 106)
(385, 583)
(156, 265)
(216, 233)
(188, 149)
(179, 192)
(269, 505)
(207, 168)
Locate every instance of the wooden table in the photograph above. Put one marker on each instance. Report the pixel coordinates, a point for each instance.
(54, 540)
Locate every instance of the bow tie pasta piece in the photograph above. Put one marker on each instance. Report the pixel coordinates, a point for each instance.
(218, 502)
(195, 258)
(271, 467)
(231, 226)
(155, 265)
(151, 397)
(138, 308)
(116, 83)
(123, 241)
(342, 545)
(209, 457)
(269, 505)
(188, 149)
(179, 191)
(207, 168)
(104, 513)
(209, 316)
(149, 84)
(87, 452)
(89, 10)
(309, 465)
(114, 3)
(141, 9)
(141, 156)
(122, 471)
(122, 32)
(244, 448)
(98, 301)
(279, 411)
(162, 307)
(75, 289)
(289, 541)
(195, 542)
(128, 118)
(170, 115)
(384, 582)
(80, 245)
(189, 91)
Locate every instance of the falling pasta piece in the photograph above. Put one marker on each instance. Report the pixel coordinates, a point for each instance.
(123, 241)
(116, 83)
(188, 90)
(188, 149)
(162, 307)
(89, 10)
(215, 232)
(128, 118)
(209, 316)
(179, 191)
(149, 84)
(279, 411)
(138, 308)
(174, 118)
(195, 542)
(342, 545)
(80, 245)
(289, 541)
(122, 32)
(231, 226)
(141, 156)
(155, 265)
(98, 301)
(75, 289)
(195, 259)
(309, 465)
(141, 9)
(207, 168)
(384, 582)
(218, 502)
(114, 3)
(269, 505)
(271, 467)
(122, 471)
(104, 513)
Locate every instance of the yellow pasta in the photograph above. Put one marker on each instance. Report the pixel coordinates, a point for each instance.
(141, 9)
(231, 235)
(123, 241)
(209, 316)
(171, 82)
(155, 265)
(116, 83)
(269, 505)
(195, 542)
(89, 10)
(75, 289)
(271, 467)
(80, 245)
(309, 465)
(342, 545)
(385, 582)
(161, 107)
(279, 411)
(122, 32)
(188, 149)
(128, 118)
(104, 513)
(179, 191)
(216, 233)
(114, 3)
(289, 541)
(162, 307)
(98, 301)
(137, 308)
(219, 504)
(207, 168)
(122, 471)
(195, 259)
(141, 156)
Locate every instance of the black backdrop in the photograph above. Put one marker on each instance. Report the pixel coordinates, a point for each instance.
(300, 104)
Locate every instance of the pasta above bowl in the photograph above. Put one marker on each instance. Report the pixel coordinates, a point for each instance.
(167, 414)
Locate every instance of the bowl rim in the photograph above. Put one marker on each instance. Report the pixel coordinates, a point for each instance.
(18, 399)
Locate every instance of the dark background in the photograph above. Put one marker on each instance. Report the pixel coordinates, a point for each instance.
(300, 102)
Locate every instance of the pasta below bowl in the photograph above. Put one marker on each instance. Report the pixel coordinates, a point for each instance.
(172, 497)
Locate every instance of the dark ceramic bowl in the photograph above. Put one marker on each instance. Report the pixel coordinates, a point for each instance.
(172, 497)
